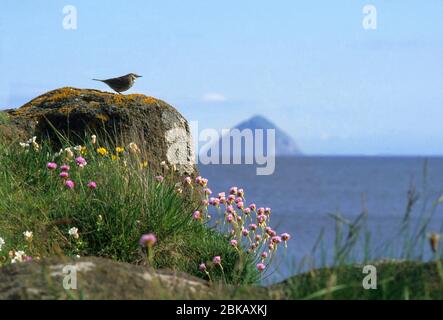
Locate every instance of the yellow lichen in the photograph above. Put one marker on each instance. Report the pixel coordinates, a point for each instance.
(69, 93)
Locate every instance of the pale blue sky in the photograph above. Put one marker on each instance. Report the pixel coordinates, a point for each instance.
(309, 66)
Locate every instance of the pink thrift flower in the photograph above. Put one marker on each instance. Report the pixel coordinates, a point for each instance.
(233, 242)
(65, 167)
(207, 191)
(264, 255)
(221, 195)
(63, 175)
(240, 205)
(148, 240)
(252, 206)
(247, 211)
(215, 202)
(216, 260)
(253, 226)
(203, 182)
(81, 162)
(205, 202)
(233, 190)
(285, 236)
(261, 267)
(197, 215)
(188, 180)
(261, 218)
(267, 211)
(257, 237)
(240, 192)
(69, 184)
(261, 211)
(51, 165)
(198, 179)
(276, 239)
(230, 217)
(231, 198)
(202, 267)
(245, 232)
(159, 178)
(92, 185)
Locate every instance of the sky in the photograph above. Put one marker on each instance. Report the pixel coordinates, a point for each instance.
(309, 66)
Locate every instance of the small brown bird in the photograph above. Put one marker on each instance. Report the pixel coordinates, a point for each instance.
(122, 83)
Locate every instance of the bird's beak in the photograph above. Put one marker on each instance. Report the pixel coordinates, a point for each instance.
(138, 76)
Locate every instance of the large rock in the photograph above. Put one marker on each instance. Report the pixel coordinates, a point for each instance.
(75, 113)
(96, 278)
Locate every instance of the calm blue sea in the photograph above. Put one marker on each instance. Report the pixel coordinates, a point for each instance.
(304, 191)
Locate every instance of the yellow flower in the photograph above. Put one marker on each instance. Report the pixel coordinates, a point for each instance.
(143, 164)
(84, 150)
(119, 150)
(114, 157)
(102, 151)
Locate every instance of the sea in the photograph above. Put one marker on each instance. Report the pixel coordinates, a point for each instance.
(308, 193)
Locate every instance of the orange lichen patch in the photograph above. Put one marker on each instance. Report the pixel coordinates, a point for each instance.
(60, 94)
(142, 98)
(130, 99)
(102, 117)
(66, 99)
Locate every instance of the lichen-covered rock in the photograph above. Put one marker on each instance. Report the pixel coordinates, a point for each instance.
(161, 131)
(96, 278)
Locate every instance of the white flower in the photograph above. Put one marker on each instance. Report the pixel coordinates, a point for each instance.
(2, 242)
(18, 256)
(28, 235)
(73, 232)
(78, 148)
(24, 145)
(32, 140)
(94, 139)
(77, 256)
(57, 154)
(69, 152)
(133, 147)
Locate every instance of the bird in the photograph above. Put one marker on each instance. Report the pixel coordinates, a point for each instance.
(122, 83)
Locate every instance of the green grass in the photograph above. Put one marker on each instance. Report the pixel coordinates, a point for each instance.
(396, 280)
(3, 118)
(127, 203)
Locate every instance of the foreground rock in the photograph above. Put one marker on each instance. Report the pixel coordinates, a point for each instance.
(161, 131)
(97, 278)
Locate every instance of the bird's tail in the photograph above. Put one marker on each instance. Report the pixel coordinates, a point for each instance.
(97, 80)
